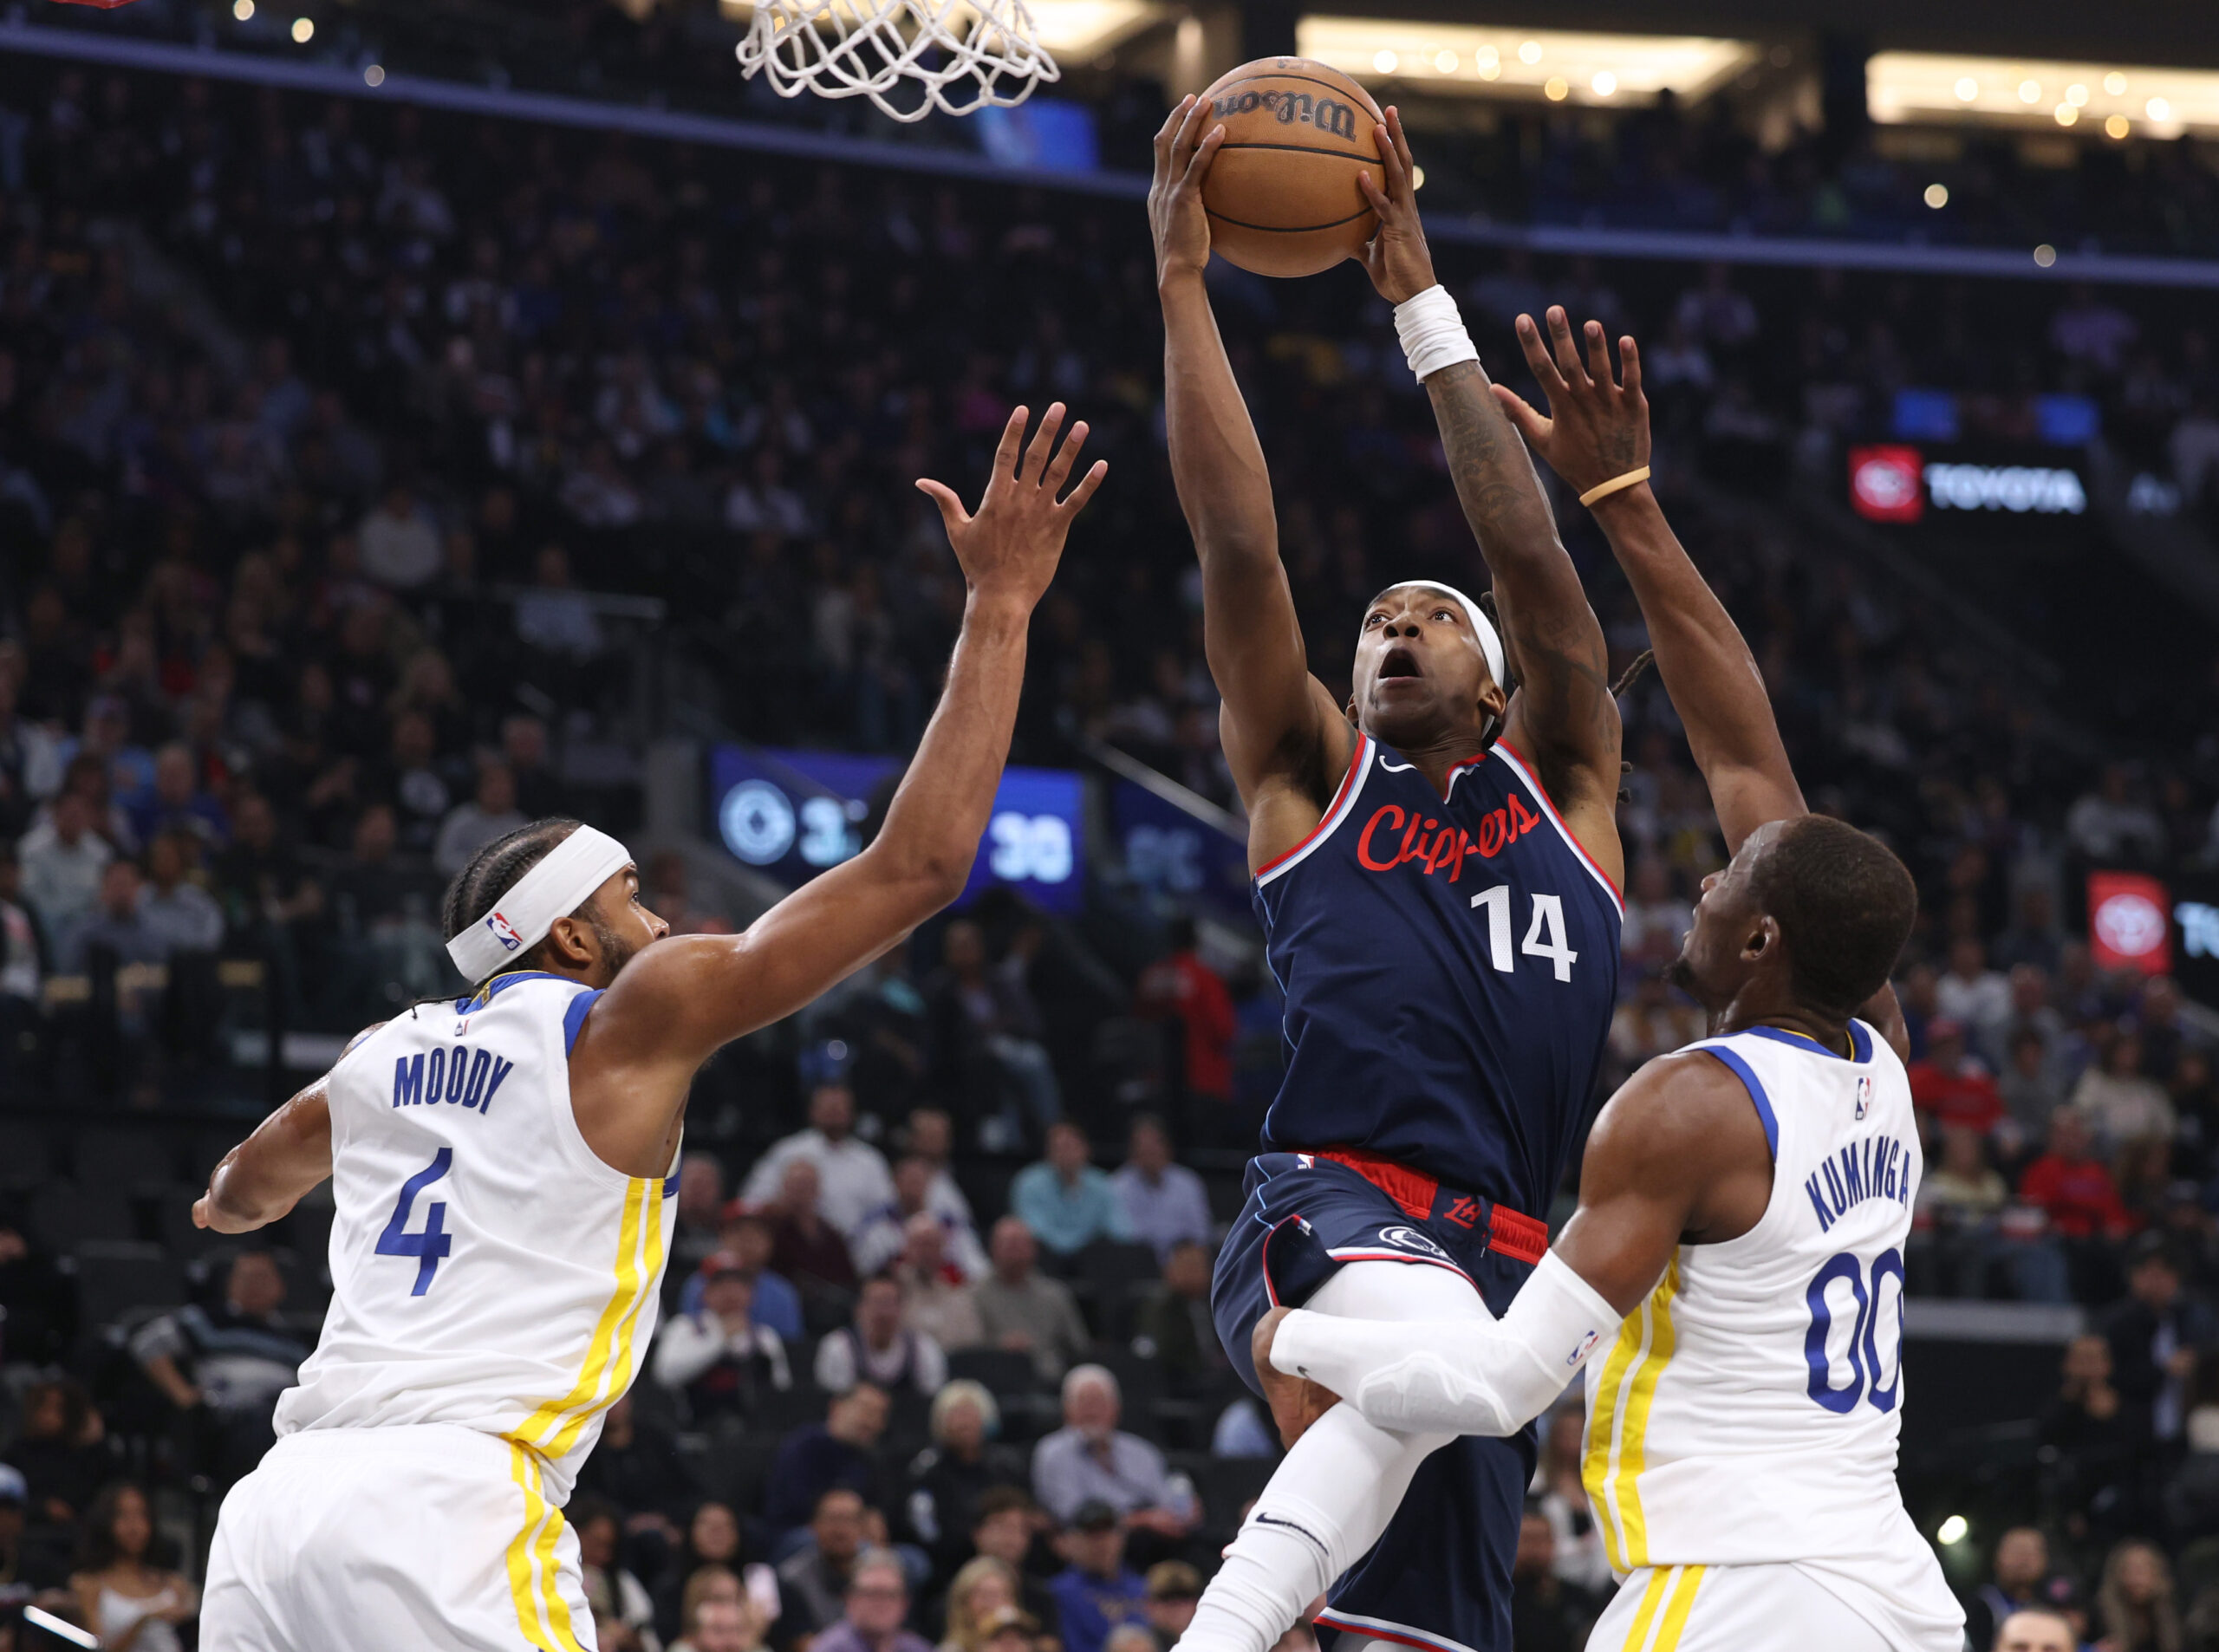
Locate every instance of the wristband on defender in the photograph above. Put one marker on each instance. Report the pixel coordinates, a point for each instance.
(1616, 484)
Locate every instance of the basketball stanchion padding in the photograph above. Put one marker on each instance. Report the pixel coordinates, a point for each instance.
(909, 57)
(1282, 193)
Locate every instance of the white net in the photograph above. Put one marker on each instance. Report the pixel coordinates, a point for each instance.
(909, 57)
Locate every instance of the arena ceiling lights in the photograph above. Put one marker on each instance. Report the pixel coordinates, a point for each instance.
(2119, 99)
(1551, 65)
(1073, 30)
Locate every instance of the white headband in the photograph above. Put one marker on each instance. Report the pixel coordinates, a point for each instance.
(1483, 628)
(555, 887)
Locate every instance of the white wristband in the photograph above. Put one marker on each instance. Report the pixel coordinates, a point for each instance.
(1433, 333)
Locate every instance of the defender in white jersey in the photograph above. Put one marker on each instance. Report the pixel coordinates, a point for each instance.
(1732, 1285)
(503, 1168)
(1732, 1282)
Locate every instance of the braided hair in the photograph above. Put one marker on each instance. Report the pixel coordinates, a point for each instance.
(1636, 669)
(496, 869)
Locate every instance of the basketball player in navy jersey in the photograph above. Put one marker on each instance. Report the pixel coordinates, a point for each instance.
(1436, 866)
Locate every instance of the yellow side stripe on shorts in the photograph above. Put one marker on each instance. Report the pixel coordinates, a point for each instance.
(534, 1583)
(1645, 1615)
(1676, 1613)
(623, 1302)
(627, 1329)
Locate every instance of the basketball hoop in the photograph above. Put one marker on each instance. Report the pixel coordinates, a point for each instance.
(909, 57)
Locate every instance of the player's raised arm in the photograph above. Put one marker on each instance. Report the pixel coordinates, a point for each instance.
(266, 1175)
(1677, 1154)
(681, 998)
(1563, 709)
(1278, 722)
(1596, 430)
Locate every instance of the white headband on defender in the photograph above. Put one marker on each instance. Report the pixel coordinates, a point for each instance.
(1490, 639)
(557, 887)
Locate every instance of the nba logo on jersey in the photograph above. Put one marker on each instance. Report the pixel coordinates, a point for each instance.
(1864, 1093)
(505, 934)
(1580, 1352)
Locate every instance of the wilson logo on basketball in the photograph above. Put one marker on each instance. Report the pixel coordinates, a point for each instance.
(1325, 115)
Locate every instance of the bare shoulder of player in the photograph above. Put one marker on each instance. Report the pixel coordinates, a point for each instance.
(1681, 1118)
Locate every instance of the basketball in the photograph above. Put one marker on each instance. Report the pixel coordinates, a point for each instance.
(1282, 194)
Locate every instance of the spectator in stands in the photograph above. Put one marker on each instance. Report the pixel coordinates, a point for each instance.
(371, 890)
(934, 1298)
(1007, 1522)
(1959, 1207)
(813, 1580)
(1066, 1202)
(121, 1594)
(2155, 1335)
(115, 931)
(228, 1364)
(2036, 1629)
(1975, 997)
(805, 1247)
(2119, 1104)
(181, 916)
(747, 1238)
(931, 1137)
(623, 1612)
(259, 878)
(708, 1560)
(883, 1235)
(983, 1589)
(491, 813)
(637, 1467)
(2028, 1086)
(989, 1026)
(717, 1358)
(950, 1476)
(2110, 827)
(1716, 314)
(1179, 986)
(2192, 1495)
(877, 1605)
(1174, 1326)
(1952, 1087)
(38, 1301)
(852, 1180)
(1024, 1311)
(840, 1453)
(1551, 1615)
(1090, 1458)
(177, 803)
(60, 1453)
(1163, 1201)
(63, 859)
(700, 1209)
(876, 1347)
(721, 1625)
(2098, 1437)
(1096, 1591)
(2018, 1578)
(1175, 1588)
(2077, 1195)
(2134, 1601)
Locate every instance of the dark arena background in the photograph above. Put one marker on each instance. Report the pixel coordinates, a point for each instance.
(417, 420)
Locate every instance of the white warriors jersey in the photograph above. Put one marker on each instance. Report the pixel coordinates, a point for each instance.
(1749, 1409)
(487, 1269)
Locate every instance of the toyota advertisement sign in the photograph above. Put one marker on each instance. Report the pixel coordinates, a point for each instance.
(1896, 482)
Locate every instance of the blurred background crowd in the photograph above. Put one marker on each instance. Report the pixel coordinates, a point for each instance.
(375, 479)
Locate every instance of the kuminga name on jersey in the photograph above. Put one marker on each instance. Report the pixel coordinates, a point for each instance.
(1450, 967)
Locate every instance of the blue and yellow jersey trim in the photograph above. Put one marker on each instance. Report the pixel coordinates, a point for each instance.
(1618, 1426)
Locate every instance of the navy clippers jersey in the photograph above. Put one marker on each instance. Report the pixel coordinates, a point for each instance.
(1450, 969)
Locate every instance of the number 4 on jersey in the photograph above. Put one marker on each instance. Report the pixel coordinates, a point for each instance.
(433, 1245)
(1544, 936)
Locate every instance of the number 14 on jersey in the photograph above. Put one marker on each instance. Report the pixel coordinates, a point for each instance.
(1544, 934)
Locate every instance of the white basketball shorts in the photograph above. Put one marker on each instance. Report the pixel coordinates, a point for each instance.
(366, 1539)
(1763, 1609)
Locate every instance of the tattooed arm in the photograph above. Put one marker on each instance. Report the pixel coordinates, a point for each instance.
(1562, 716)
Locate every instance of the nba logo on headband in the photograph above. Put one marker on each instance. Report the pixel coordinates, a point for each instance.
(502, 931)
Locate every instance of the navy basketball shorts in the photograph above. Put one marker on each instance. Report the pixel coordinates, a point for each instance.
(1439, 1578)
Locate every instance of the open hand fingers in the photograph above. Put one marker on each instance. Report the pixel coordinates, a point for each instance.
(1567, 347)
(1538, 358)
(1043, 444)
(1087, 484)
(1532, 426)
(1006, 451)
(1198, 168)
(1066, 456)
(1189, 137)
(951, 508)
(1629, 363)
(1598, 356)
(1402, 140)
(1392, 167)
(1169, 130)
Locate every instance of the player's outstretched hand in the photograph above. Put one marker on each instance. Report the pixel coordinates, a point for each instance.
(1295, 1401)
(1396, 257)
(1598, 426)
(219, 1219)
(1185, 147)
(1009, 549)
